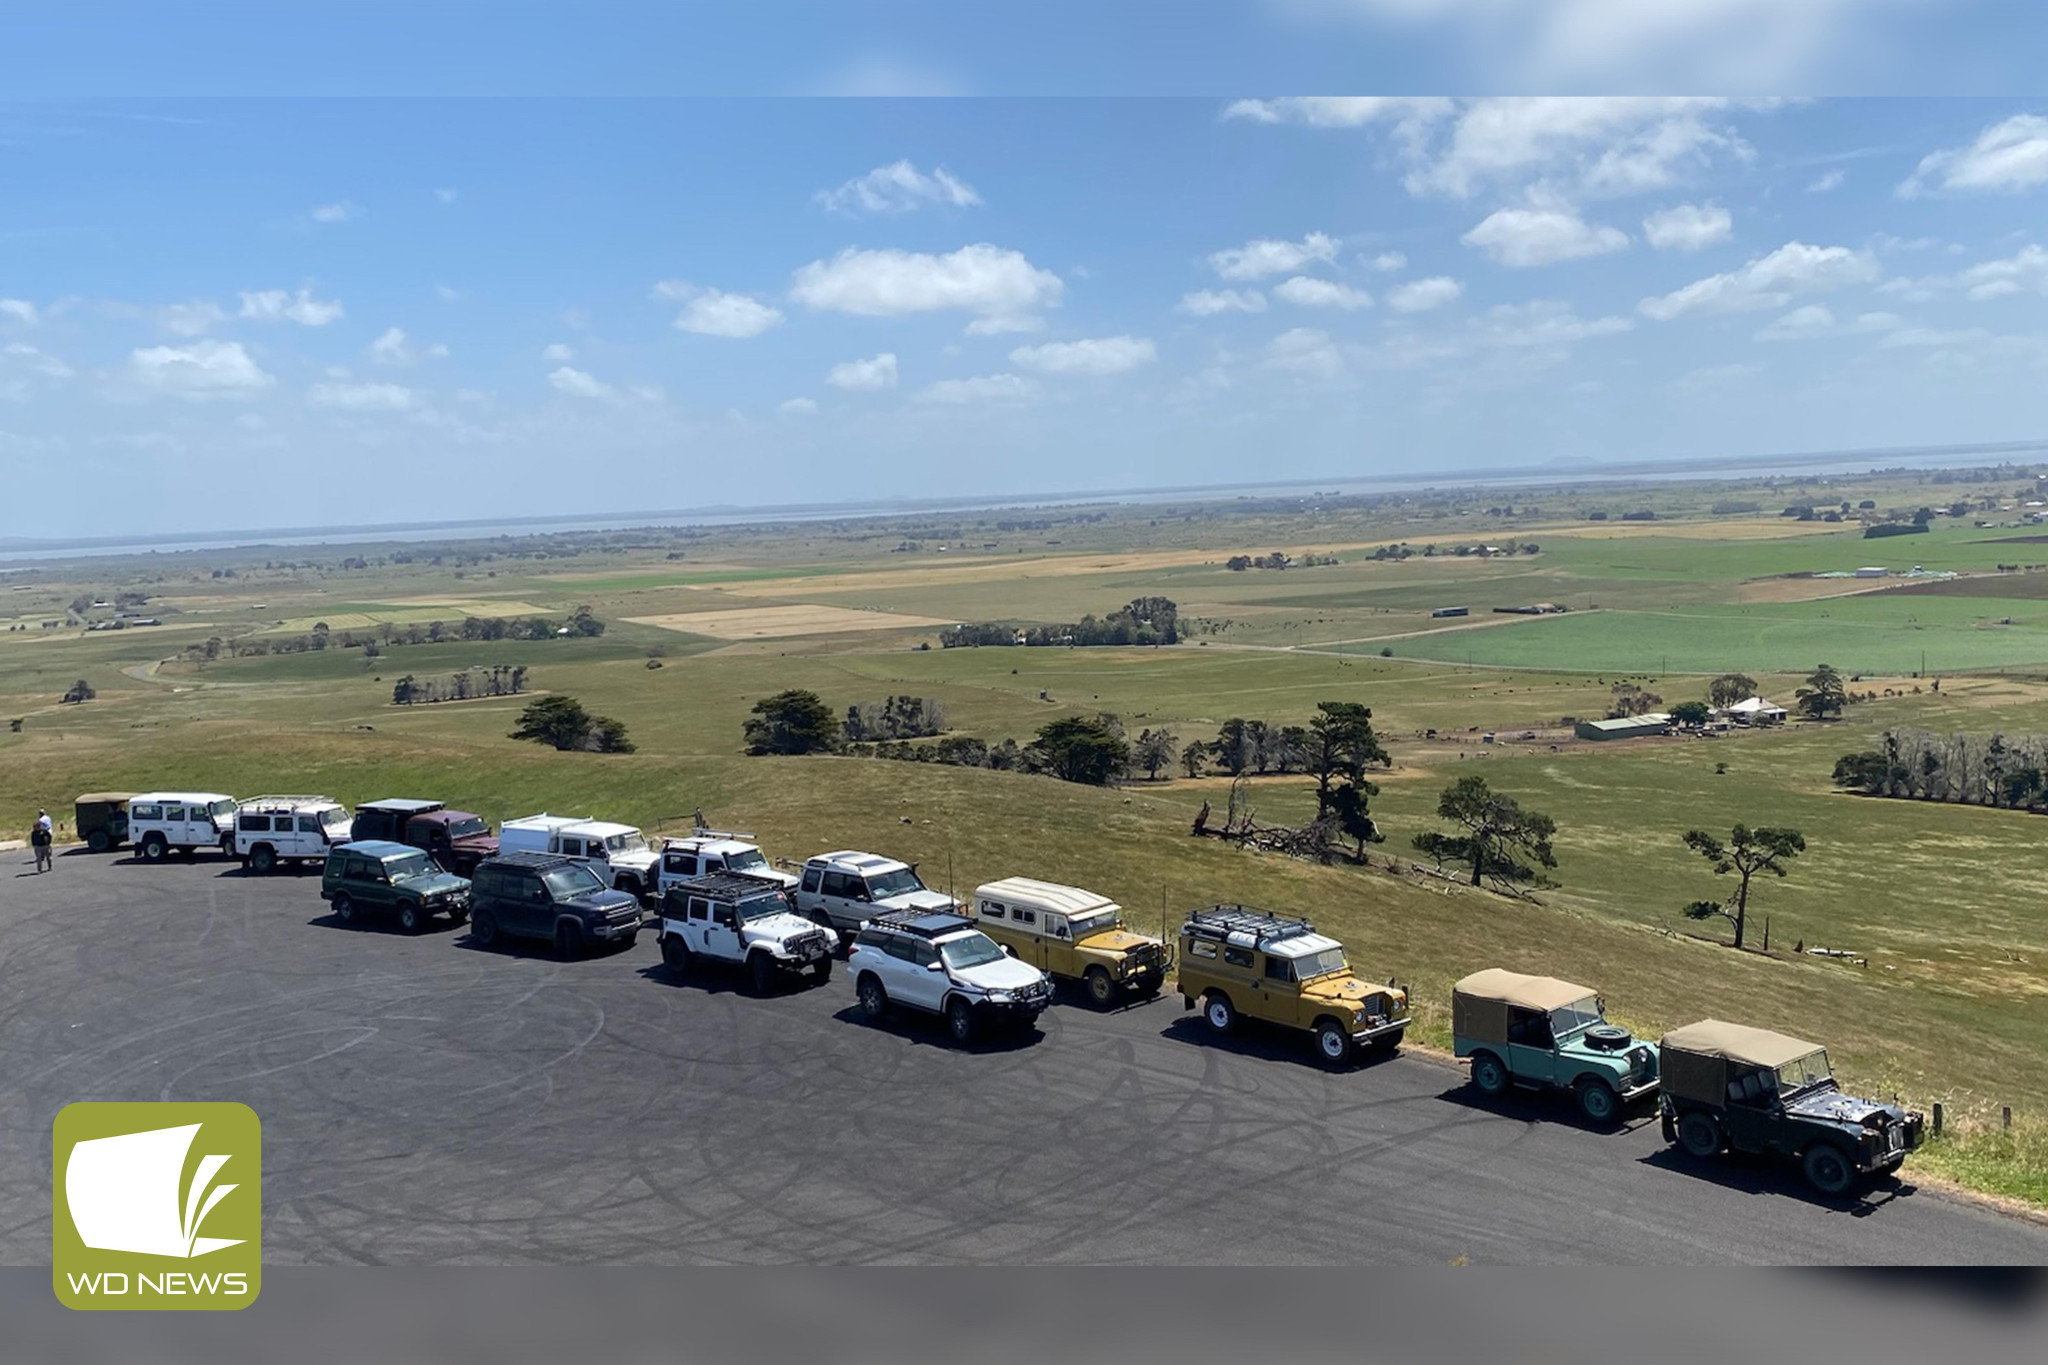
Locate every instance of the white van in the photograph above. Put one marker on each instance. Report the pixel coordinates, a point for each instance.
(161, 821)
(617, 853)
(302, 829)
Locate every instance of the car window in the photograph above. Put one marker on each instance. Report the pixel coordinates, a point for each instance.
(845, 886)
(1529, 1028)
(1201, 947)
(568, 883)
(1056, 926)
(1237, 957)
(1024, 916)
(895, 945)
(811, 875)
(700, 909)
(309, 824)
(174, 812)
(252, 823)
(352, 867)
(681, 864)
(721, 915)
(146, 812)
(1279, 969)
(871, 938)
(923, 953)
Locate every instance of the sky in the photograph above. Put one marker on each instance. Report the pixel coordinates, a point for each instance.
(262, 312)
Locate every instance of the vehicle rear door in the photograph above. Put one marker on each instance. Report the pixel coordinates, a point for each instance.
(311, 839)
(528, 907)
(722, 932)
(377, 887)
(845, 898)
(918, 985)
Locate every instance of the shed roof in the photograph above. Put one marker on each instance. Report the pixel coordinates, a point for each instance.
(1737, 1043)
(1529, 992)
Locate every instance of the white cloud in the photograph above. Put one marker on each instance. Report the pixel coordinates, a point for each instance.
(21, 310)
(361, 397)
(1002, 324)
(558, 352)
(1815, 319)
(1419, 296)
(580, 384)
(38, 360)
(1307, 292)
(899, 188)
(1767, 282)
(446, 294)
(1306, 351)
(1543, 322)
(798, 407)
(1257, 259)
(1542, 236)
(1604, 144)
(876, 372)
(1823, 184)
(2027, 269)
(338, 212)
(1208, 302)
(1338, 111)
(391, 348)
(992, 281)
(715, 313)
(2006, 157)
(203, 370)
(446, 196)
(276, 305)
(190, 319)
(1101, 355)
(983, 389)
(1688, 227)
(1388, 261)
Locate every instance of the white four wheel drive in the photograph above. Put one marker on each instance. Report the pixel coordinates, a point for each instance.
(618, 854)
(711, 850)
(161, 821)
(739, 920)
(274, 829)
(845, 890)
(941, 964)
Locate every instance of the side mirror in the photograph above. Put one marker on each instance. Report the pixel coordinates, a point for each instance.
(1008, 951)
(935, 966)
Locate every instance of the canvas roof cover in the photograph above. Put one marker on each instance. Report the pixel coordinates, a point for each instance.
(1528, 992)
(104, 798)
(1737, 1043)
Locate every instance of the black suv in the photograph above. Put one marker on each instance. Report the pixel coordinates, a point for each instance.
(546, 896)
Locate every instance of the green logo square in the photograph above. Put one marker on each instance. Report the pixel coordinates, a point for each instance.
(157, 1206)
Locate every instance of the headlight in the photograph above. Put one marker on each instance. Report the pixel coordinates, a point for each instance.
(1000, 997)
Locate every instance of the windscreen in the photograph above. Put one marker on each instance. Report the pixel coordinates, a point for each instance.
(969, 950)
(626, 843)
(747, 861)
(409, 866)
(333, 816)
(1312, 965)
(222, 807)
(1096, 922)
(469, 828)
(1802, 1072)
(883, 885)
(1580, 1014)
(569, 883)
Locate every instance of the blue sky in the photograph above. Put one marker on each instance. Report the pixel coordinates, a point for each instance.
(224, 312)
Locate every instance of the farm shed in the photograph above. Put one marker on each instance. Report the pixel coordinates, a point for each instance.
(1452, 611)
(1755, 711)
(1627, 727)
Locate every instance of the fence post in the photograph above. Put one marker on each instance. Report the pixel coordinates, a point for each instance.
(2008, 1116)
(1767, 933)
(1937, 1118)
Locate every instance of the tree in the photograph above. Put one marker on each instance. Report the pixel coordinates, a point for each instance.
(1154, 750)
(80, 691)
(1340, 744)
(402, 693)
(1498, 834)
(1692, 713)
(562, 722)
(1632, 700)
(1348, 806)
(1079, 750)
(1824, 694)
(1237, 744)
(1192, 756)
(607, 736)
(1747, 852)
(1730, 688)
(791, 722)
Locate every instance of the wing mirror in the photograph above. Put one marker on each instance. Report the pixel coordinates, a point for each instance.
(935, 966)
(1008, 951)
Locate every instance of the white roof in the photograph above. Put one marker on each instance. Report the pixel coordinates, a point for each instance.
(1301, 945)
(552, 824)
(700, 843)
(853, 861)
(291, 802)
(1751, 705)
(188, 798)
(597, 829)
(1061, 900)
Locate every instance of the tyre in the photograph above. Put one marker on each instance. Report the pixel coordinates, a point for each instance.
(344, 907)
(821, 970)
(154, 849)
(1489, 1077)
(99, 841)
(1150, 984)
(1597, 1101)
(457, 914)
(409, 918)
(1333, 1044)
(1101, 990)
(483, 928)
(761, 972)
(874, 1001)
(1827, 1169)
(960, 1020)
(1217, 1010)
(568, 939)
(1699, 1135)
(263, 858)
(675, 954)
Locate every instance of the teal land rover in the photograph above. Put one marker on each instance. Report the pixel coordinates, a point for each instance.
(397, 879)
(1542, 1033)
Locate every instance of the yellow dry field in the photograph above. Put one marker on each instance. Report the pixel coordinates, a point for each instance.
(775, 623)
(398, 614)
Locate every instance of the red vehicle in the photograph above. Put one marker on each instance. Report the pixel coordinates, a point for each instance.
(457, 839)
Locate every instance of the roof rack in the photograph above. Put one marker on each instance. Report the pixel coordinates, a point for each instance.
(724, 886)
(923, 923)
(1224, 921)
(697, 833)
(298, 800)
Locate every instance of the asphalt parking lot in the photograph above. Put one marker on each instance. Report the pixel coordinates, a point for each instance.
(425, 1101)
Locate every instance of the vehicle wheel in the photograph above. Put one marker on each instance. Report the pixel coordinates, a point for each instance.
(960, 1020)
(409, 918)
(1597, 1101)
(99, 841)
(874, 1001)
(1827, 1170)
(458, 914)
(1101, 990)
(344, 907)
(1333, 1044)
(631, 886)
(483, 928)
(821, 970)
(568, 939)
(1217, 1010)
(227, 845)
(761, 971)
(263, 858)
(675, 954)
(1699, 1134)
(1151, 984)
(154, 849)
(1489, 1077)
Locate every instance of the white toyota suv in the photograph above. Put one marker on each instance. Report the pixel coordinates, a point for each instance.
(618, 854)
(273, 829)
(941, 964)
(734, 919)
(845, 890)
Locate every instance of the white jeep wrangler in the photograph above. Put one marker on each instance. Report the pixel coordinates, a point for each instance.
(301, 829)
(618, 854)
(739, 920)
(713, 850)
(845, 890)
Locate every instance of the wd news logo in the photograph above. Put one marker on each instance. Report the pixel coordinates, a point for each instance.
(157, 1206)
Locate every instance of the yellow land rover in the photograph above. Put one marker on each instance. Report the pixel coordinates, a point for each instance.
(1075, 935)
(1239, 963)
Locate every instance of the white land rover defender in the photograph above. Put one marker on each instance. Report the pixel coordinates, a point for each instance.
(736, 920)
(161, 821)
(618, 854)
(845, 890)
(301, 829)
(714, 850)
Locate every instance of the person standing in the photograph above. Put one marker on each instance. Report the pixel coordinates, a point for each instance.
(41, 838)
